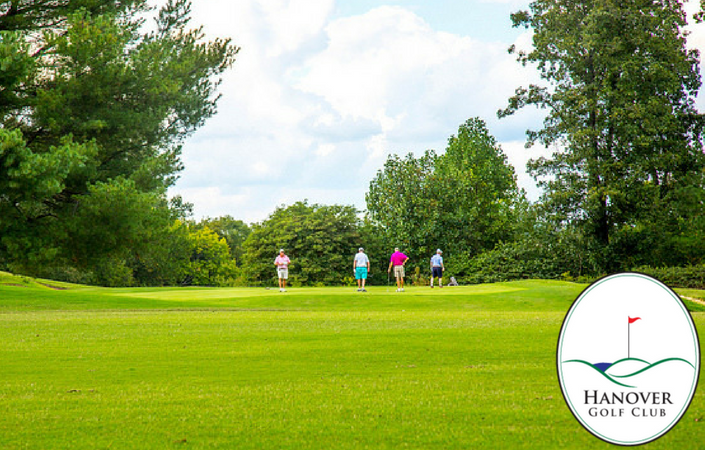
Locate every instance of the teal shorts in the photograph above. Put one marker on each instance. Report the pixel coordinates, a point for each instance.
(360, 273)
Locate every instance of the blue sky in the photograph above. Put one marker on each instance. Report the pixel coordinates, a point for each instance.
(324, 90)
(484, 20)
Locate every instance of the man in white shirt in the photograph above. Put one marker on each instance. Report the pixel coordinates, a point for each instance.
(361, 266)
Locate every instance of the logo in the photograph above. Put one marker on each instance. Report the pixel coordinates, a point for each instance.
(628, 359)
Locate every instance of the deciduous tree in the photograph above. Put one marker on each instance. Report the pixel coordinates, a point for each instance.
(233, 231)
(461, 201)
(621, 116)
(321, 241)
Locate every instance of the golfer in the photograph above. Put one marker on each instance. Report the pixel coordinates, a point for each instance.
(397, 261)
(361, 266)
(282, 262)
(437, 268)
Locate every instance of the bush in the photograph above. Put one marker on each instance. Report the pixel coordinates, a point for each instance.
(67, 274)
(692, 277)
(112, 273)
(509, 261)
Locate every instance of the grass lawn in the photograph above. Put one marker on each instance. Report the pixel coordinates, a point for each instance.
(244, 368)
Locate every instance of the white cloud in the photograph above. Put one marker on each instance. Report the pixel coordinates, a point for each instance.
(377, 146)
(292, 22)
(325, 149)
(211, 201)
(261, 168)
(312, 106)
(370, 57)
(388, 66)
(276, 26)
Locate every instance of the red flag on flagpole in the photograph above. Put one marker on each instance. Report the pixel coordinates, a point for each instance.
(633, 320)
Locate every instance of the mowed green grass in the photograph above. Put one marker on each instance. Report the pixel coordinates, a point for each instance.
(315, 368)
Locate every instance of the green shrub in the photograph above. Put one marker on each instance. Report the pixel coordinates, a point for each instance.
(112, 273)
(510, 261)
(692, 277)
(68, 274)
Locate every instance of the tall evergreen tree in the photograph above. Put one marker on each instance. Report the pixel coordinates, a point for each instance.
(91, 104)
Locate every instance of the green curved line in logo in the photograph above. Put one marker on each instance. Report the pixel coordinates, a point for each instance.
(629, 359)
(654, 365)
(599, 371)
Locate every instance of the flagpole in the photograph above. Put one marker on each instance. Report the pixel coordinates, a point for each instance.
(629, 330)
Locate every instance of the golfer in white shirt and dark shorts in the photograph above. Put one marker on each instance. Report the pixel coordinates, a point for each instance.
(437, 268)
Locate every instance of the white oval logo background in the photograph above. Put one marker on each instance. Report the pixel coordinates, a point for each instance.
(628, 359)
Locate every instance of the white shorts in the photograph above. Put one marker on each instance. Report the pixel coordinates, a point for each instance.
(283, 273)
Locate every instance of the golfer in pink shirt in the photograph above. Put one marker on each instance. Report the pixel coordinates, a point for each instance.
(397, 261)
(282, 262)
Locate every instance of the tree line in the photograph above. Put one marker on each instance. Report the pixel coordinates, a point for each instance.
(94, 111)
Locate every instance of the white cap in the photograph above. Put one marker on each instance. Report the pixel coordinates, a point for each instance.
(439, 251)
(360, 249)
(281, 250)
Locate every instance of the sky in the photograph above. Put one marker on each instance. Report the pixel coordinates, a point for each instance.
(322, 91)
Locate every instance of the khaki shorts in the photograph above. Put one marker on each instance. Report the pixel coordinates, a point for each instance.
(399, 271)
(283, 273)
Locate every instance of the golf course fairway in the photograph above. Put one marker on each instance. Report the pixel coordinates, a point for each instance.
(468, 367)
